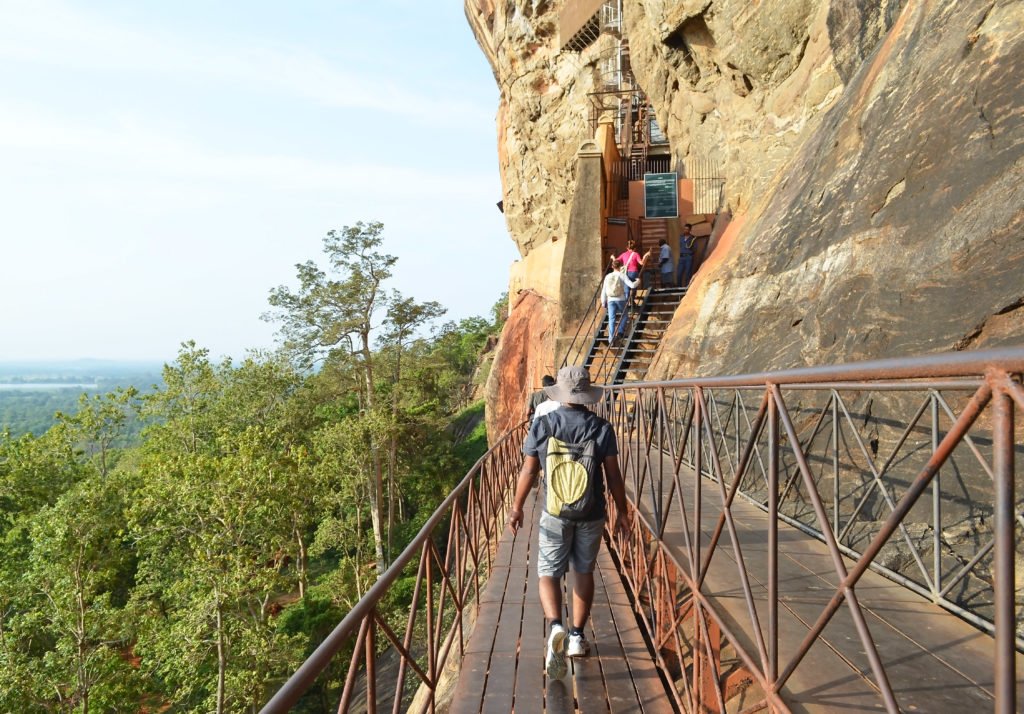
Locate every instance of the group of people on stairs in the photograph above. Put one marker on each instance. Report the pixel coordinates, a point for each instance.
(622, 280)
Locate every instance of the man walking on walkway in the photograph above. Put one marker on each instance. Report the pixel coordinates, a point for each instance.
(538, 397)
(574, 445)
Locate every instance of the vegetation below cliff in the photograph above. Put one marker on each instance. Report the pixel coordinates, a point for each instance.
(196, 569)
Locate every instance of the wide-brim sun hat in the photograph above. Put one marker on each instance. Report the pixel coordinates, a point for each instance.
(572, 386)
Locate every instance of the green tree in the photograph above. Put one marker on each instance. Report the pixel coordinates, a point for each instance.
(99, 422)
(214, 532)
(76, 573)
(335, 316)
(404, 317)
(65, 569)
(327, 315)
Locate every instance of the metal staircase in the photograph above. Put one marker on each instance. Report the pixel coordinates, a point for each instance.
(647, 322)
(648, 327)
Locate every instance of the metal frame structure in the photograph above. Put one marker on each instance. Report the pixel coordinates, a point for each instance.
(708, 184)
(802, 457)
(446, 593)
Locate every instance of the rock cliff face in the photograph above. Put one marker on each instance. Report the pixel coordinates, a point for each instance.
(873, 152)
(542, 113)
(741, 82)
(896, 227)
(529, 333)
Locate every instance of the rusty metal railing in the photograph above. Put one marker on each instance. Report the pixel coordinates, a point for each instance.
(450, 558)
(905, 467)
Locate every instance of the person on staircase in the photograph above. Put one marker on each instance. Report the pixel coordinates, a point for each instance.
(685, 267)
(665, 267)
(614, 294)
(633, 263)
(574, 445)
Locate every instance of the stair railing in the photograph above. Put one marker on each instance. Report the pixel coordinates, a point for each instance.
(636, 314)
(591, 320)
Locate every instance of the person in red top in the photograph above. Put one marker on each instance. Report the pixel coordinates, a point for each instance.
(633, 263)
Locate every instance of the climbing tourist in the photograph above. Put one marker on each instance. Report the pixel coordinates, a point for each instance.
(665, 264)
(633, 263)
(572, 444)
(614, 292)
(545, 407)
(686, 241)
(538, 397)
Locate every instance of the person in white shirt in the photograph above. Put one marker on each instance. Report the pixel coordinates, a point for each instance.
(665, 264)
(545, 408)
(613, 297)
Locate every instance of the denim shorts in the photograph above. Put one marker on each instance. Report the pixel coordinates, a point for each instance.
(562, 540)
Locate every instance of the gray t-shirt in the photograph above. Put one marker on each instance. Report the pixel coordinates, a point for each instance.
(573, 426)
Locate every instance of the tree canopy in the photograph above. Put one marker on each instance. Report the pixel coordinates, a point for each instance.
(194, 568)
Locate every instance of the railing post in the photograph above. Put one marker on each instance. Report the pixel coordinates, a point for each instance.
(1003, 468)
(773, 541)
(698, 446)
(431, 654)
(353, 667)
(371, 667)
(659, 506)
(835, 462)
(936, 507)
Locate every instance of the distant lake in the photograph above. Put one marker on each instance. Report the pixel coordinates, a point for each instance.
(45, 386)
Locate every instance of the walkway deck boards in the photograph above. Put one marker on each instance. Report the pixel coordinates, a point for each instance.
(503, 669)
(935, 661)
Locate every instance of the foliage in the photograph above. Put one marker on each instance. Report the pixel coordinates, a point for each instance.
(193, 568)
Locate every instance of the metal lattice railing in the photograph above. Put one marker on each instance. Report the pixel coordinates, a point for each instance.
(444, 601)
(905, 467)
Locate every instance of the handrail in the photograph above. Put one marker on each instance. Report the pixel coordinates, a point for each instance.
(761, 455)
(635, 314)
(476, 508)
(852, 455)
(591, 318)
(946, 364)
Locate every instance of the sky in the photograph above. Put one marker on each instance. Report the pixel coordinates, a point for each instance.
(163, 165)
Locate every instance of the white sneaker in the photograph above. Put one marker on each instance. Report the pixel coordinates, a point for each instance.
(554, 661)
(578, 646)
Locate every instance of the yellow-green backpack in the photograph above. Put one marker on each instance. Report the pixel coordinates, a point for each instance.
(570, 471)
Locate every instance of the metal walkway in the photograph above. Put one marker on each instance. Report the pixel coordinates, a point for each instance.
(934, 661)
(503, 670)
(831, 539)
